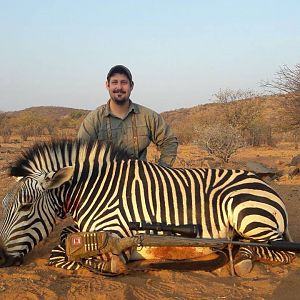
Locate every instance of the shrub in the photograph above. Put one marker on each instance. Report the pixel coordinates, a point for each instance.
(220, 140)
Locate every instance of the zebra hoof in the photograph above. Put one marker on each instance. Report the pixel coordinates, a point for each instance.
(243, 267)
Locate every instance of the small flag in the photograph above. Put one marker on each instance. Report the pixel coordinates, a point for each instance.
(76, 241)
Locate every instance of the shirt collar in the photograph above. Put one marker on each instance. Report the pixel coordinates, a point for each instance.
(133, 107)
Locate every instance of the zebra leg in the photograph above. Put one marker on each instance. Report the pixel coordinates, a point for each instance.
(111, 266)
(264, 254)
(105, 264)
(247, 255)
(244, 260)
(267, 255)
(58, 257)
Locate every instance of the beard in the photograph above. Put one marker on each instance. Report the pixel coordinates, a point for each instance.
(119, 101)
(119, 97)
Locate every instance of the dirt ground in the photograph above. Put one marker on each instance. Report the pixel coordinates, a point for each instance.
(35, 280)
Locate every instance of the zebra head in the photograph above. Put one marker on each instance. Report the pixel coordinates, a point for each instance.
(52, 176)
(30, 208)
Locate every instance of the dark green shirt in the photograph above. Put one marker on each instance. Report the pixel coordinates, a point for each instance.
(136, 131)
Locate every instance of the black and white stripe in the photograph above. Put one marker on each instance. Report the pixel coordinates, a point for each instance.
(108, 190)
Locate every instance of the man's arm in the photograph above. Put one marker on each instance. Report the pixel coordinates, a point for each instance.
(88, 128)
(163, 137)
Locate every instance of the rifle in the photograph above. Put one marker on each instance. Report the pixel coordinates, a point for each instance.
(81, 245)
(185, 236)
(151, 240)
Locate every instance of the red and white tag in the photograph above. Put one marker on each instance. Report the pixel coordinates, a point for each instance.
(76, 241)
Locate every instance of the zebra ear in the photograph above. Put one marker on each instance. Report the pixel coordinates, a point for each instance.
(56, 179)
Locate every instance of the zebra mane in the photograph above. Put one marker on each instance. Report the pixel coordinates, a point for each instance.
(56, 154)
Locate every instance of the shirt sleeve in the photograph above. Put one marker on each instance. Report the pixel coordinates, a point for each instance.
(88, 128)
(163, 137)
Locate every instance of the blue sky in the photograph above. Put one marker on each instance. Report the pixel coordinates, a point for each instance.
(180, 52)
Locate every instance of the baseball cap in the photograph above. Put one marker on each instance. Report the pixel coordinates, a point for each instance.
(120, 69)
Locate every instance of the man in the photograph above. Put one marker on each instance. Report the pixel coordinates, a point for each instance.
(128, 124)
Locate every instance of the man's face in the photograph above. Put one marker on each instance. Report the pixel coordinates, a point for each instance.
(119, 88)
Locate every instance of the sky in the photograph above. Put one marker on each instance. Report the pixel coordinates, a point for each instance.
(180, 53)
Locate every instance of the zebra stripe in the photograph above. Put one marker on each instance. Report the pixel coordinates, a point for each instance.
(108, 190)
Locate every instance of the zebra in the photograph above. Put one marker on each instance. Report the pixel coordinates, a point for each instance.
(103, 189)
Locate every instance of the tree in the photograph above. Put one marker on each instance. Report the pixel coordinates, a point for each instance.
(220, 140)
(5, 127)
(229, 95)
(240, 109)
(77, 114)
(287, 82)
(30, 124)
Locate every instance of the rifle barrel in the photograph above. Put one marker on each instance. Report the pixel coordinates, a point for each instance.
(178, 241)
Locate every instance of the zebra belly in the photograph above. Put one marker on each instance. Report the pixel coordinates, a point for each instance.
(173, 253)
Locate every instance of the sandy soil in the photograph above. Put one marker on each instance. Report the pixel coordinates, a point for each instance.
(35, 280)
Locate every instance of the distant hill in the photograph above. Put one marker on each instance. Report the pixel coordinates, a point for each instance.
(182, 121)
(273, 118)
(270, 107)
(53, 112)
(37, 121)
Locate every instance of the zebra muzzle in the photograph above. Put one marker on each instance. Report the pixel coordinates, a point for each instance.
(2, 257)
(91, 244)
(8, 261)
